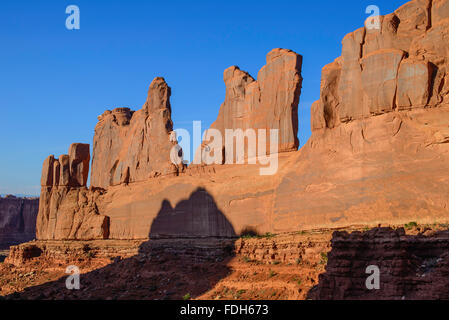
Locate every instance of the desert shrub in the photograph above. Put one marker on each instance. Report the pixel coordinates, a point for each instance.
(249, 232)
(411, 225)
(186, 297)
(323, 258)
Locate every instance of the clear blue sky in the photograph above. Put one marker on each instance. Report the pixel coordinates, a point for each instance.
(55, 82)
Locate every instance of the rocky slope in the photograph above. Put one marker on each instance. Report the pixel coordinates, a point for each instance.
(411, 267)
(266, 267)
(320, 264)
(17, 220)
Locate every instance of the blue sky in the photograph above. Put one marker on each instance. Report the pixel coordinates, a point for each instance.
(54, 82)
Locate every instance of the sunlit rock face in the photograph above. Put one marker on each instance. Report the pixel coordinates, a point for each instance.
(270, 102)
(67, 209)
(401, 65)
(134, 146)
(379, 151)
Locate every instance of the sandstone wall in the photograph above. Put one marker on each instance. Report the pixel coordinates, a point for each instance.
(17, 220)
(67, 209)
(135, 146)
(371, 159)
(270, 102)
(403, 65)
(379, 151)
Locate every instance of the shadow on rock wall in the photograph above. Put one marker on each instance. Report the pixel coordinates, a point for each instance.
(410, 267)
(190, 247)
(196, 217)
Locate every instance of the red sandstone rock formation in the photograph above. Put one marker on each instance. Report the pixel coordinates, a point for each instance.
(134, 146)
(17, 220)
(271, 102)
(67, 208)
(400, 66)
(379, 142)
(378, 153)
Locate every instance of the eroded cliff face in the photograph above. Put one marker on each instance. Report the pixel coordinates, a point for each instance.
(379, 151)
(131, 149)
(17, 220)
(411, 267)
(402, 65)
(135, 146)
(67, 209)
(270, 102)
(272, 267)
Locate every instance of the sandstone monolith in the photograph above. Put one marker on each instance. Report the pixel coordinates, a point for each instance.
(67, 209)
(131, 146)
(270, 102)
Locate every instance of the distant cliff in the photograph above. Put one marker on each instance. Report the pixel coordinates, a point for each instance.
(17, 220)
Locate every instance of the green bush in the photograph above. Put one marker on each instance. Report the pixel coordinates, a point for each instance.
(323, 258)
(249, 233)
(411, 225)
(269, 235)
(186, 297)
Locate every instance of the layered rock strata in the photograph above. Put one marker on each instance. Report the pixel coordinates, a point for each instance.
(270, 102)
(402, 65)
(67, 209)
(135, 146)
(410, 267)
(17, 220)
(378, 152)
